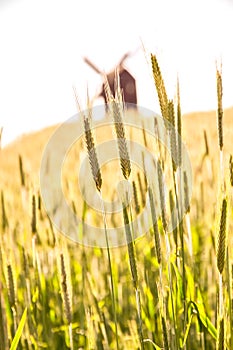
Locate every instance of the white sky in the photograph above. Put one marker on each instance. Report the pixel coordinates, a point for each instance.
(42, 44)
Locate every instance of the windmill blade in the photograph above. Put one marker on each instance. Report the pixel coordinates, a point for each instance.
(128, 54)
(92, 65)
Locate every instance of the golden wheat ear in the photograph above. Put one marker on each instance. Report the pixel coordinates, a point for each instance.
(231, 170)
(93, 159)
(220, 107)
(11, 287)
(160, 87)
(5, 222)
(162, 195)
(117, 112)
(135, 196)
(107, 91)
(90, 144)
(130, 245)
(33, 221)
(221, 239)
(116, 109)
(21, 171)
(173, 140)
(65, 290)
(179, 124)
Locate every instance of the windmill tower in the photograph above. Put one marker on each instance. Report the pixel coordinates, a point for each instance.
(127, 81)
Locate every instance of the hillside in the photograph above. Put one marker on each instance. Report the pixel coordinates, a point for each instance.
(31, 146)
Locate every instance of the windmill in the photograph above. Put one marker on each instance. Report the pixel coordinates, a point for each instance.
(127, 81)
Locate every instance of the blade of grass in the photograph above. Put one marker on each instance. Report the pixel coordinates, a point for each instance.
(19, 331)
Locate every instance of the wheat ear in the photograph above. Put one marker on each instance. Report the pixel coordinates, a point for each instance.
(179, 125)
(160, 87)
(231, 170)
(173, 141)
(221, 239)
(220, 108)
(5, 222)
(117, 111)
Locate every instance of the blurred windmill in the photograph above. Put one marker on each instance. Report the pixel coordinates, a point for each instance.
(127, 81)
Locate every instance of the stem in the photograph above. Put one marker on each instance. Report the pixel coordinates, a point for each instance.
(139, 308)
(181, 234)
(170, 286)
(190, 244)
(133, 270)
(222, 171)
(110, 270)
(220, 296)
(71, 336)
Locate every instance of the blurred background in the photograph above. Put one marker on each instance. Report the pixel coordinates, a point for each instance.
(43, 44)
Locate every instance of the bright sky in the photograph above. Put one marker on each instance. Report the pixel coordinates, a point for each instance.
(43, 42)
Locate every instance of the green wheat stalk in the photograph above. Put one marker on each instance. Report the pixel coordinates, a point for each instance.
(96, 174)
(221, 257)
(66, 297)
(133, 269)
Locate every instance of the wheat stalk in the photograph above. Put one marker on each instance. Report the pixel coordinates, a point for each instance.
(142, 193)
(12, 295)
(155, 226)
(130, 245)
(11, 287)
(21, 171)
(158, 137)
(65, 290)
(3, 323)
(116, 107)
(221, 335)
(135, 196)
(117, 111)
(144, 171)
(221, 238)
(96, 173)
(162, 195)
(66, 298)
(144, 135)
(186, 194)
(220, 108)
(173, 221)
(220, 122)
(160, 87)
(5, 222)
(221, 256)
(173, 141)
(165, 336)
(206, 144)
(93, 160)
(231, 170)
(33, 221)
(133, 269)
(179, 126)
(90, 144)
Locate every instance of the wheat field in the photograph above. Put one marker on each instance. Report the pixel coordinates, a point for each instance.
(166, 288)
